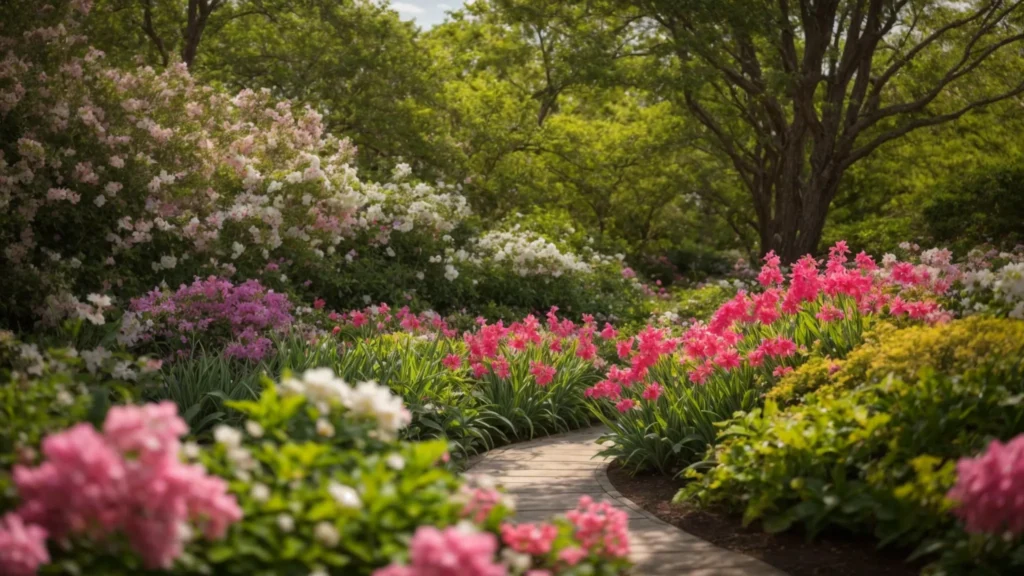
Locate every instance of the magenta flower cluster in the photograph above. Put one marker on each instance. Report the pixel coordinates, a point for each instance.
(244, 315)
(127, 480)
(601, 528)
(989, 490)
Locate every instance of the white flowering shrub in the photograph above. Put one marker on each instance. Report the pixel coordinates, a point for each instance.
(993, 284)
(120, 179)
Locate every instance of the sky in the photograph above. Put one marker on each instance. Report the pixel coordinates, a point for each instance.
(426, 13)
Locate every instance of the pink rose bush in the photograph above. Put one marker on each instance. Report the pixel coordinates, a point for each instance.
(127, 481)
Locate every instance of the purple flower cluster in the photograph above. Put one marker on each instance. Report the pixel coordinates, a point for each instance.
(989, 490)
(239, 316)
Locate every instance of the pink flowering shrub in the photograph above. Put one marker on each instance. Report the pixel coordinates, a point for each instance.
(989, 490)
(212, 312)
(127, 481)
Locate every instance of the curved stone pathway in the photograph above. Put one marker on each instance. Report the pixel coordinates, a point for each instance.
(548, 476)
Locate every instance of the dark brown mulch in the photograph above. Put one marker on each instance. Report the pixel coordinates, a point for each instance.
(828, 555)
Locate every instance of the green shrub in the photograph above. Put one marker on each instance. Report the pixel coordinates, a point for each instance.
(952, 348)
(877, 459)
(978, 208)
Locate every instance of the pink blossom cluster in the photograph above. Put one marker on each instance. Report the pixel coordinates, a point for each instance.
(731, 339)
(129, 479)
(989, 490)
(533, 539)
(600, 528)
(450, 552)
(244, 315)
(479, 503)
(379, 319)
(22, 547)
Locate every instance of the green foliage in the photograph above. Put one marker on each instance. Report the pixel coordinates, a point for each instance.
(299, 466)
(676, 429)
(979, 208)
(952, 348)
(878, 456)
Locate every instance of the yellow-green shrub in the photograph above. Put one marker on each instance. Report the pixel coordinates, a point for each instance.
(952, 348)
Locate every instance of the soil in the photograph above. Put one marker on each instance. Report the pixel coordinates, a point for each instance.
(827, 555)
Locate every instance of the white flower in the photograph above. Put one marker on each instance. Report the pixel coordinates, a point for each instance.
(259, 492)
(236, 250)
(450, 273)
(346, 496)
(99, 300)
(190, 450)
(227, 436)
(324, 428)
(254, 429)
(419, 276)
(168, 262)
(122, 371)
(319, 385)
(372, 399)
(64, 398)
(94, 358)
(390, 252)
(395, 461)
(286, 523)
(517, 561)
(326, 534)
(100, 200)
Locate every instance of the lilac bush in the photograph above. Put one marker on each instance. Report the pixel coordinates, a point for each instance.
(242, 317)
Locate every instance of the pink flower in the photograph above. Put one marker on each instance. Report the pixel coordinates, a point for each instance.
(988, 489)
(770, 274)
(624, 348)
(628, 273)
(481, 502)
(700, 374)
(533, 539)
(452, 552)
(600, 528)
(130, 479)
(829, 313)
(572, 555)
(781, 371)
(22, 547)
(609, 332)
(652, 392)
(500, 367)
(319, 304)
(479, 370)
(358, 318)
(452, 362)
(625, 405)
(542, 373)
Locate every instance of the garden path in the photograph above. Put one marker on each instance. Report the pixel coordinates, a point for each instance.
(547, 477)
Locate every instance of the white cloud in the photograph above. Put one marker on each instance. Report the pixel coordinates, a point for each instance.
(406, 8)
(445, 6)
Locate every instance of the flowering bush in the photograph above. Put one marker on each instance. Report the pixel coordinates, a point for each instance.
(149, 175)
(993, 283)
(750, 342)
(237, 319)
(127, 483)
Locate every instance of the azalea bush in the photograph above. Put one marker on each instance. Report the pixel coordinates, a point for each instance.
(114, 181)
(676, 388)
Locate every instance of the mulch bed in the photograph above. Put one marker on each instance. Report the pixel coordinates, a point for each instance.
(827, 555)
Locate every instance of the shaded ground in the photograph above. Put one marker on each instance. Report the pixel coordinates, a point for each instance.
(830, 555)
